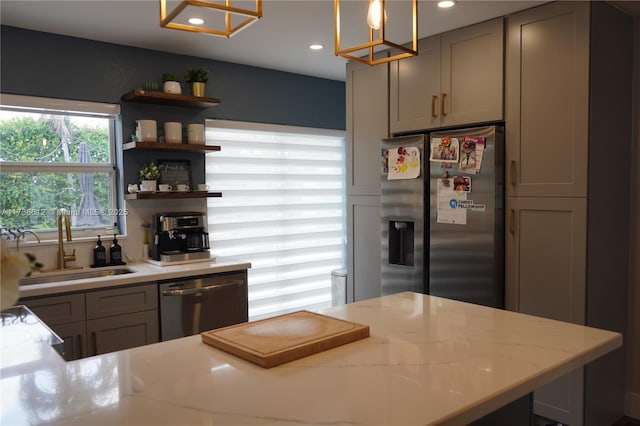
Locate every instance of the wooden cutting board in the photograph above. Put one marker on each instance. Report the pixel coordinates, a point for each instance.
(283, 338)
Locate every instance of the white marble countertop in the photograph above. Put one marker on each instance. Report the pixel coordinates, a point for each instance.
(428, 361)
(143, 272)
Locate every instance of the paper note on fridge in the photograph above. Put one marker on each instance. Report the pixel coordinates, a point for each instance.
(448, 202)
(404, 163)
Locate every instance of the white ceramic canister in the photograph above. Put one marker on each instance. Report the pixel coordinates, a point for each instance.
(195, 133)
(147, 130)
(173, 132)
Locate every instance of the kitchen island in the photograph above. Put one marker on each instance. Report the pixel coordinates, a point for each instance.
(428, 360)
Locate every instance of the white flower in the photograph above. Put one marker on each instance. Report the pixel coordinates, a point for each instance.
(13, 266)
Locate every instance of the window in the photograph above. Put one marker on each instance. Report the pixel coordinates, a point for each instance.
(282, 208)
(57, 154)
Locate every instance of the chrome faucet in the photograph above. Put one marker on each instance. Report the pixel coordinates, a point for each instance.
(62, 257)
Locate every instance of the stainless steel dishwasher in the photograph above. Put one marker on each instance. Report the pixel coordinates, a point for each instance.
(202, 303)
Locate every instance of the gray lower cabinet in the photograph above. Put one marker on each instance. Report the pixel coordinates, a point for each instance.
(74, 335)
(122, 300)
(121, 332)
(546, 242)
(363, 245)
(122, 318)
(65, 315)
(97, 322)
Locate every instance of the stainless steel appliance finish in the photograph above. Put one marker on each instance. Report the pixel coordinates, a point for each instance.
(202, 303)
(179, 236)
(402, 226)
(466, 262)
(457, 261)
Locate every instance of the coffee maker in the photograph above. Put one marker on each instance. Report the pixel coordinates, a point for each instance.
(179, 236)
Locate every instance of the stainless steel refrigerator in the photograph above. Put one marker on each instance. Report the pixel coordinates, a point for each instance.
(443, 229)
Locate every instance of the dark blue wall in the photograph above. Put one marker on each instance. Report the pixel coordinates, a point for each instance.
(43, 64)
(55, 66)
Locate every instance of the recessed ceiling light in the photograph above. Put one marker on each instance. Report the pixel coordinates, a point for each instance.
(316, 46)
(196, 21)
(446, 3)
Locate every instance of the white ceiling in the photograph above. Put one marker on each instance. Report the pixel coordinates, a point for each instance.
(278, 41)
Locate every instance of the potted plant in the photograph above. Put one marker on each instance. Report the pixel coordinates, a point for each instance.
(149, 174)
(171, 83)
(197, 78)
(150, 85)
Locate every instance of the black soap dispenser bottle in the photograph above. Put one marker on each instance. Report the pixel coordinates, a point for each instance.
(115, 252)
(99, 254)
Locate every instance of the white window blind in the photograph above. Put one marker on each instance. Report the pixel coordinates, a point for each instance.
(282, 208)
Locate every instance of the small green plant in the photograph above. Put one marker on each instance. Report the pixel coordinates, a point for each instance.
(167, 76)
(197, 75)
(149, 171)
(150, 85)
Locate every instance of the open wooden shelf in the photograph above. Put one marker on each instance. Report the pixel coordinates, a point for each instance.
(156, 97)
(156, 146)
(171, 195)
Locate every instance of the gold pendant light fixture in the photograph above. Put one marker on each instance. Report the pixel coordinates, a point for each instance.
(376, 21)
(232, 14)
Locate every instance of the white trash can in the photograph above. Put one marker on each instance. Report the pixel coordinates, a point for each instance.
(338, 287)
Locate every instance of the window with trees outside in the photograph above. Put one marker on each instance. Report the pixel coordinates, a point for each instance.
(57, 154)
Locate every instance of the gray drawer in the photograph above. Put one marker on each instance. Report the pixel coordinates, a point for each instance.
(122, 300)
(56, 310)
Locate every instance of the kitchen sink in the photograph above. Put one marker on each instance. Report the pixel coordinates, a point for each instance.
(73, 275)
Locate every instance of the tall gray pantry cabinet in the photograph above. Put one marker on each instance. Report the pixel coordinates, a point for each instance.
(568, 137)
(367, 124)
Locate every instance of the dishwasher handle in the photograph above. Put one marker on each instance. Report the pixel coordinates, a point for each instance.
(195, 290)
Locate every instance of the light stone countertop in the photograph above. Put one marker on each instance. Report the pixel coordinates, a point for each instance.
(144, 272)
(428, 361)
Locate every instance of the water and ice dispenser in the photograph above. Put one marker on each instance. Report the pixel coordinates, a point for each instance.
(401, 242)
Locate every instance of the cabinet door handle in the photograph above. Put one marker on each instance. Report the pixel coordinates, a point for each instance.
(512, 173)
(94, 336)
(434, 98)
(197, 290)
(512, 221)
(444, 95)
(80, 351)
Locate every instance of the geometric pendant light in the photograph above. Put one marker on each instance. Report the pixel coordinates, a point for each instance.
(376, 20)
(229, 27)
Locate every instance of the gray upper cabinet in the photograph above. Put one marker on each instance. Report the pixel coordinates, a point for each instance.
(456, 79)
(367, 123)
(415, 89)
(547, 101)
